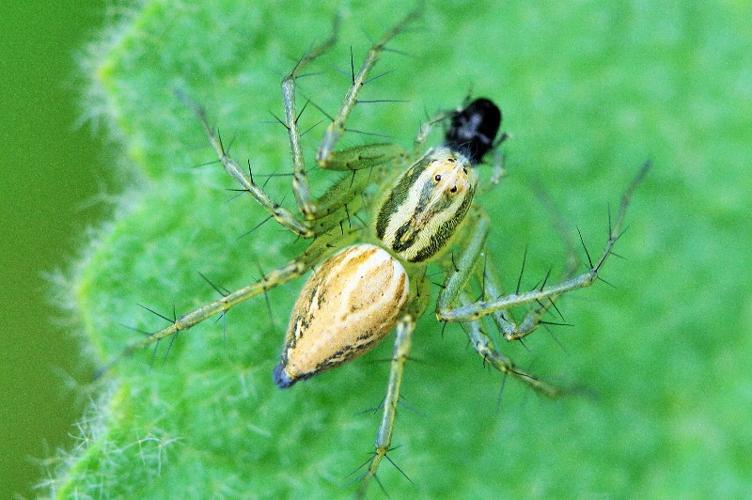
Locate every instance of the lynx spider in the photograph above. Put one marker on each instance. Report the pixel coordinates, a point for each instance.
(424, 214)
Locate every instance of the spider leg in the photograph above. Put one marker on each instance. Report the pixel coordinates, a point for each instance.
(454, 289)
(481, 308)
(359, 157)
(326, 156)
(506, 325)
(534, 317)
(497, 167)
(400, 353)
(300, 178)
(498, 171)
(425, 130)
(362, 157)
(293, 269)
(484, 346)
(283, 216)
(463, 267)
(560, 226)
(341, 203)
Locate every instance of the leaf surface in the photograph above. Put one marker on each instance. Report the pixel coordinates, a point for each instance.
(588, 92)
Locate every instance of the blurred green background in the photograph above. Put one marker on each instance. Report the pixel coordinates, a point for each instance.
(50, 169)
(589, 90)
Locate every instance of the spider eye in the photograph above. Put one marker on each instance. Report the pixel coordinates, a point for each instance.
(453, 190)
(437, 178)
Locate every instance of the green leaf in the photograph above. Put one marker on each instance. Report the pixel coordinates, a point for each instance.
(589, 91)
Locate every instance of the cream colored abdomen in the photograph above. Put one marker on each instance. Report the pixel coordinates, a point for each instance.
(347, 306)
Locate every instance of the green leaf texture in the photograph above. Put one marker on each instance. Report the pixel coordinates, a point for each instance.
(589, 91)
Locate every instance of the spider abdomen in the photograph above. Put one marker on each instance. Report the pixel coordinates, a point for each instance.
(346, 307)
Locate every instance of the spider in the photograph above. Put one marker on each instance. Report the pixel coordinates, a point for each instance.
(367, 281)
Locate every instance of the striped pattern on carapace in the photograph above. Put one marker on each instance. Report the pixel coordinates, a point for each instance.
(425, 205)
(345, 308)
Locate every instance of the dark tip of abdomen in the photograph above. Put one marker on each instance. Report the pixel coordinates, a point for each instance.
(281, 378)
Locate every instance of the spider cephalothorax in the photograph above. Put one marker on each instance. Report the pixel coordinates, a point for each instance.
(368, 280)
(422, 210)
